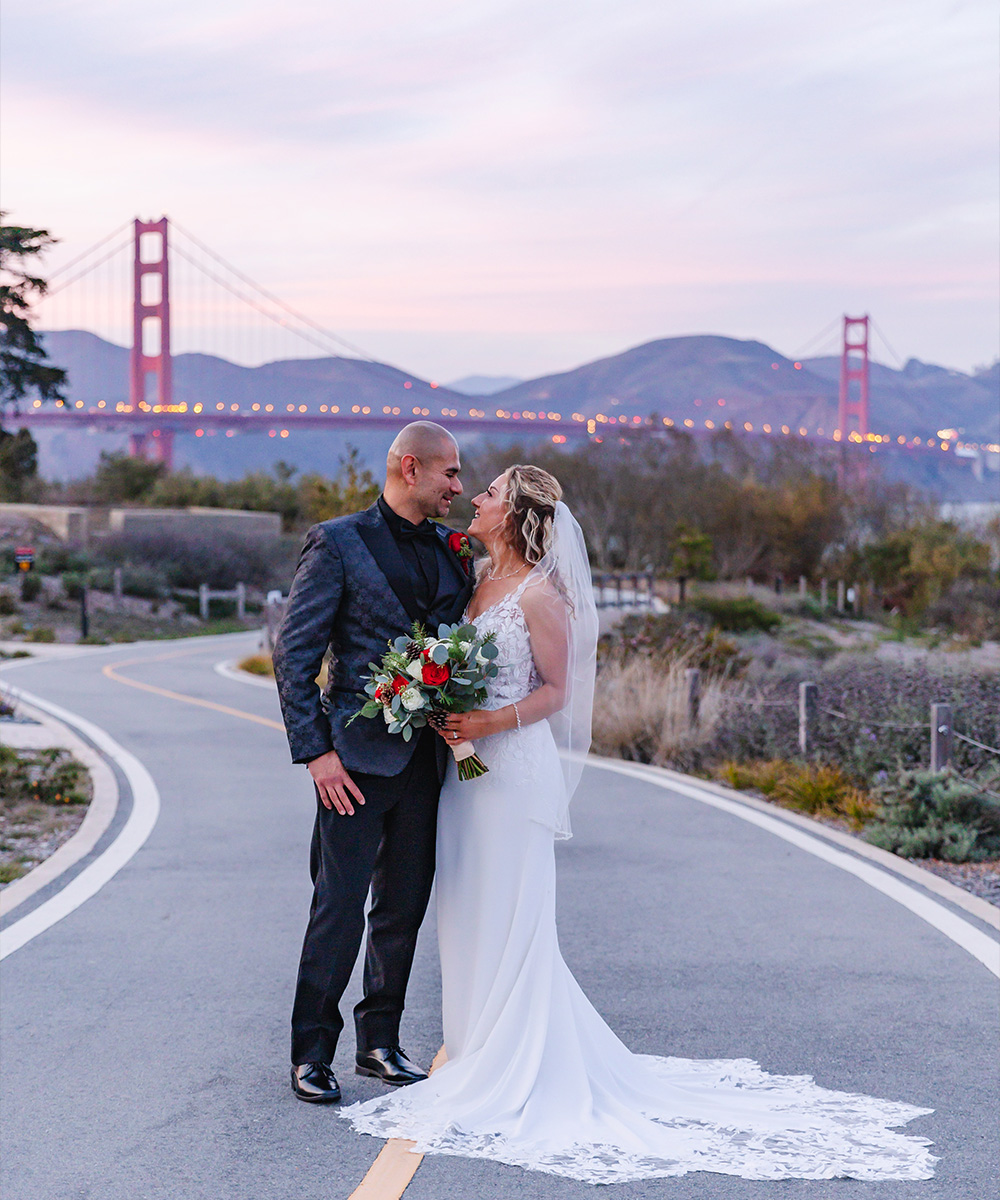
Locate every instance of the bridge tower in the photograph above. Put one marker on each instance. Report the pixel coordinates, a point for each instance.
(150, 376)
(854, 377)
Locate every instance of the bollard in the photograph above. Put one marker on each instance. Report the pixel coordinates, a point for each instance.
(750, 583)
(618, 586)
(692, 677)
(802, 587)
(681, 588)
(808, 704)
(241, 601)
(116, 585)
(84, 615)
(203, 601)
(940, 736)
(824, 598)
(841, 596)
(777, 585)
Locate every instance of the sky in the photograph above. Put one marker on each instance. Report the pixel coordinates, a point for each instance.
(512, 187)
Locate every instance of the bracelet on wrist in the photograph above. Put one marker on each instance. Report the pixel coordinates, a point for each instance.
(517, 715)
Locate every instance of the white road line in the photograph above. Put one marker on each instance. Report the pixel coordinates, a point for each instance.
(980, 945)
(138, 827)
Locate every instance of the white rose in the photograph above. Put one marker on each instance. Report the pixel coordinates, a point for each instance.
(411, 699)
(481, 659)
(388, 716)
(416, 669)
(465, 647)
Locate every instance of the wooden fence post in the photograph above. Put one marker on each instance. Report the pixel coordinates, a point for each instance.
(116, 586)
(824, 594)
(802, 587)
(203, 601)
(808, 704)
(241, 601)
(750, 584)
(681, 586)
(940, 736)
(841, 596)
(692, 677)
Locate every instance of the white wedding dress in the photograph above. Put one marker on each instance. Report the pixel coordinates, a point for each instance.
(534, 1076)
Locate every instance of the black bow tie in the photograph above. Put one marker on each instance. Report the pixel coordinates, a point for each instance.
(425, 531)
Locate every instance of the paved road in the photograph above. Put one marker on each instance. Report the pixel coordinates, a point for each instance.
(145, 1034)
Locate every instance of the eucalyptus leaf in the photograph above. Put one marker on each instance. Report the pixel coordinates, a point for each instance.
(439, 655)
(394, 705)
(407, 733)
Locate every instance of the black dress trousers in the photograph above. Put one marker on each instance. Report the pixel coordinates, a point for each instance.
(388, 844)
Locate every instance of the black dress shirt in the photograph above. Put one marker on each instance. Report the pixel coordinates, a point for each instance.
(425, 556)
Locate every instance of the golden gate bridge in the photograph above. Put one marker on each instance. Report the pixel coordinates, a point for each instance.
(147, 260)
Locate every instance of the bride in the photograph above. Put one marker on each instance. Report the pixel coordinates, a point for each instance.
(534, 1077)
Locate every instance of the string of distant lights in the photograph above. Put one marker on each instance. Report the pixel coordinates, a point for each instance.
(597, 427)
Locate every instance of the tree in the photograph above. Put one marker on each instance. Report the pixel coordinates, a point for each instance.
(121, 478)
(18, 463)
(23, 368)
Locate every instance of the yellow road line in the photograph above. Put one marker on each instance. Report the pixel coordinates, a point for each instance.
(390, 1174)
(396, 1163)
(111, 672)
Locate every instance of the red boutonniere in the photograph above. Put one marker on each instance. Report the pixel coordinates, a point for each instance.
(458, 543)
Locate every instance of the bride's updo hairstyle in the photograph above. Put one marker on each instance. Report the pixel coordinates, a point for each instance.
(532, 495)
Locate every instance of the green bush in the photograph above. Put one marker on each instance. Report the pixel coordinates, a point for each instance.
(742, 614)
(73, 583)
(8, 605)
(31, 586)
(41, 633)
(47, 776)
(925, 814)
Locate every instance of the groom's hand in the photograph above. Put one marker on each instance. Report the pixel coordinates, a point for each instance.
(334, 785)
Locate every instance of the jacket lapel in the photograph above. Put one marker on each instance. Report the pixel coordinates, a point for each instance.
(374, 532)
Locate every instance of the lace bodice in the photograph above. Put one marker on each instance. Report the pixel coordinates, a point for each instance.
(518, 675)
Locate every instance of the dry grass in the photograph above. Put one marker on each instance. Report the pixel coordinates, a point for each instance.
(257, 664)
(641, 712)
(816, 789)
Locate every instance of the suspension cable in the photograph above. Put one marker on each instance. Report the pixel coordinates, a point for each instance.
(90, 250)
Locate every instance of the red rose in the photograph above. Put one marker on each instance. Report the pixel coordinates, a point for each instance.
(458, 543)
(435, 675)
(398, 683)
(455, 541)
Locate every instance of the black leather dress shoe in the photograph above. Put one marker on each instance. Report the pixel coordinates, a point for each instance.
(315, 1082)
(390, 1065)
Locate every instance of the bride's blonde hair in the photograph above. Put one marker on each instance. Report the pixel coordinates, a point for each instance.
(531, 498)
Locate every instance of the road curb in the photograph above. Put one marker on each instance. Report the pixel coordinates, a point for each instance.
(229, 670)
(100, 813)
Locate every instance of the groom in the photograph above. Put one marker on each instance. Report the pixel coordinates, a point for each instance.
(362, 580)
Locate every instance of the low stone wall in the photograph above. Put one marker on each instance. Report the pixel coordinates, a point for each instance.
(78, 523)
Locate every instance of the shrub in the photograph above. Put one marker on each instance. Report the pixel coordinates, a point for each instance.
(816, 789)
(73, 583)
(257, 664)
(8, 605)
(739, 614)
(50, 776)
(31, 586)
(138, 579)
(41, 633)
(924, 814)
(665, 637)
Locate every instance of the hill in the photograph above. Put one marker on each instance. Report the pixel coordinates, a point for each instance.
(720, 378)
(700, 378)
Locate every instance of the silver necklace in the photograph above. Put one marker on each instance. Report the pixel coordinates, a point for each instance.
(509, 575)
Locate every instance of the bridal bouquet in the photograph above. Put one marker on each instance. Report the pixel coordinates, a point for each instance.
(421, 677)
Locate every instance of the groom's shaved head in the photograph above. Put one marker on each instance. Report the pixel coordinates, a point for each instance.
(425, 440)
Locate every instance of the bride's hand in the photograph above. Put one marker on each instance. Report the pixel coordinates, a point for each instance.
(456, 728)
